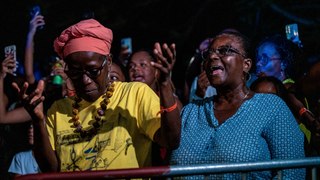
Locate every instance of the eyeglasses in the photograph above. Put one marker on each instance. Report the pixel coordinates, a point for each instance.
(264, 59)
(221, 52)
(91, 73)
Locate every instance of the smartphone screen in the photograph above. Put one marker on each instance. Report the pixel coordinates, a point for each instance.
(292, 33)
(11, 49)
(127, 42)
(35, 11)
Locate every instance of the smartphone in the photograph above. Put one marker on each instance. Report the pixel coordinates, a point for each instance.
(293, 33)
(127, 42)
(12, 49)
(36, 10)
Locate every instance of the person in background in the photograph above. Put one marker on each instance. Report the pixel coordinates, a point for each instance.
(9, 114)
(272, 85)
(278, 57)
(19, 114)
(106, 125)
(57, 83)
(197, 85)
(118, 71)
(34, 24)
(13, 117)
(24, 162)
(215, 130)
(140, 69)
(309, 86)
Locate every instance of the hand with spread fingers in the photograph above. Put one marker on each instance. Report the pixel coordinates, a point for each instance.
(32, 102)
(166, 56)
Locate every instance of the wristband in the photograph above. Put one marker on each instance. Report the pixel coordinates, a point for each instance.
(304, 110)
(169, 109)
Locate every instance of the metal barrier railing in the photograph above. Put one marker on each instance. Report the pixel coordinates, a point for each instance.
(174, 171)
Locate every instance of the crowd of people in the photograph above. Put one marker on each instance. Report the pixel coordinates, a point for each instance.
(94, 112)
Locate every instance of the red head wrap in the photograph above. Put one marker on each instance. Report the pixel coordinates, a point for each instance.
(86, 35)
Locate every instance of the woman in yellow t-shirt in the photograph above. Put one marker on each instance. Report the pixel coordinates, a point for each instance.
(106, 125)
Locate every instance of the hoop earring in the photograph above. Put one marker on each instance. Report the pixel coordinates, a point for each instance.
(247, 76)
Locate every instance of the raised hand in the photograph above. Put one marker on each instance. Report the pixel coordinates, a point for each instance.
(7, 66)
(166, 58)
(202, 84)
(35, 22)
(32, 102)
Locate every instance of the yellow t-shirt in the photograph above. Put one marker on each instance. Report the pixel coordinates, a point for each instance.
(124, 139)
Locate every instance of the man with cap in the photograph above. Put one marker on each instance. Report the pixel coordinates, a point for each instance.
(106, 125)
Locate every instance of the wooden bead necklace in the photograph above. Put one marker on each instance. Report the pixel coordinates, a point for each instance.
(97, 118)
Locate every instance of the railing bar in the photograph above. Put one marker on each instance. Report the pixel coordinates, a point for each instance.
(243, 167)
(204, 169)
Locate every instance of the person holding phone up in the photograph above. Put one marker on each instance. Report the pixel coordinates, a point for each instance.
(15, 114)
(279, 57)
(37, 20)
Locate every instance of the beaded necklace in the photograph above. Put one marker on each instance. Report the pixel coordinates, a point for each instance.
(97, 122)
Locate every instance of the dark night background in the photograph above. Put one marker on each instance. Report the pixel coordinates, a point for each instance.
(185, 23)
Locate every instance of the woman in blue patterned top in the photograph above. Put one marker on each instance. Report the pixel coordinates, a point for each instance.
(237, 125)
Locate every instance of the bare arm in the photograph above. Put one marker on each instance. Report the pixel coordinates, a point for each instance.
(17, 115)
(29, 51)
(33, 103)
(169, 134)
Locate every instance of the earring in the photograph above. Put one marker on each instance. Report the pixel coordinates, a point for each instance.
(247, 76)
